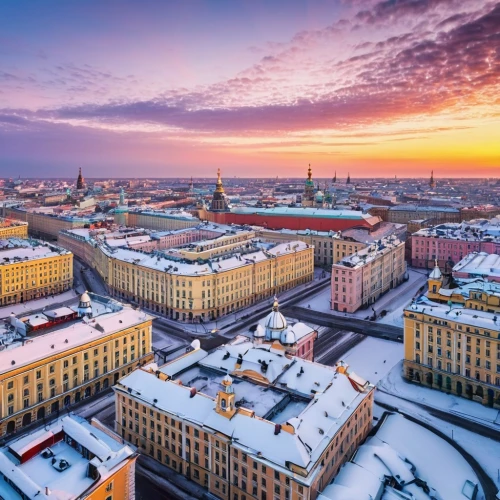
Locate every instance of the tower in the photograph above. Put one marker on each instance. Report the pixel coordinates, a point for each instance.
(122, 197)
(191, 186)
(225, 398)
(308, 197)
(219, 200)
(435, 280)
(84, 306)
(348, 178)
(334, 180)
(80, 182)
(432, 182)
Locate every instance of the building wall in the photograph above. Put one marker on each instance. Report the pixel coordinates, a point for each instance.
(47, 386)
(453, 357)
(209, 296)
(42, 225)
(284, 221)
(362, 285)
(32, 279)
(425, 249)
(158, 222)
(13, 229)
(219, 465)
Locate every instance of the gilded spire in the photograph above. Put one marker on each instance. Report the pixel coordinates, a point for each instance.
(309, 172)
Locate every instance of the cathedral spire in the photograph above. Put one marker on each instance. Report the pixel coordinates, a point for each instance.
(432, 182)
(334, 180)
(348, 178)
(80, 182)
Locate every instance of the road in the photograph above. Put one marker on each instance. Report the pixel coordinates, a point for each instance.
(379, 330)
(333, 343)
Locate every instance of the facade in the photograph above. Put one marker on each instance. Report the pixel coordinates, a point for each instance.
(69, 459)
(360, 279)
(332, 246)
(450, 243)
(44, 374)
(30, 270)
(203, 290)
(10, 228)
(246, 421)
(161, 220)
(201, 280)
(452, 339)
(402, 214)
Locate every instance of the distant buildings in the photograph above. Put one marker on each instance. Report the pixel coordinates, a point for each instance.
(452, 335)
(76, 358)
(247, 421)
(294, 218)
(47, 224)
(358, 280)
(30, 269)
(403, 214)
(160, 220)
(10, 228)
(69, 459)
(449, 243)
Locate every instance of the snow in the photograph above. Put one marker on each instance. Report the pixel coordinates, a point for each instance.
(183, 362)
(34, 305)
(394, 384)
(373, 358)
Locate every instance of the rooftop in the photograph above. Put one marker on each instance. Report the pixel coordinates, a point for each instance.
(303, 212)
(108, 316)
(310, 400)
(15, 250)
(403, 458)
(478, 230)
(49, 463)
(479, 264)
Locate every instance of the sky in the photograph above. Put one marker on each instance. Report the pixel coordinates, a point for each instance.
(258, 88)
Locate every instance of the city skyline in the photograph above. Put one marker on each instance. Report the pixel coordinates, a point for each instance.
(128, 90)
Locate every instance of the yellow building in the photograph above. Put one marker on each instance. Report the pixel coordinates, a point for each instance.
(10, 228)
(30, 269)
(452, 339)
(247, 421)
(69, 459)
(208, 289)
(43, 374)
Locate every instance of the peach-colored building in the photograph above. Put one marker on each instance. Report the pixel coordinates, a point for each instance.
(360, 279)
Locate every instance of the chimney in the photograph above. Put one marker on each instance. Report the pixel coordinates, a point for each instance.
(277, 429)
(192, 392)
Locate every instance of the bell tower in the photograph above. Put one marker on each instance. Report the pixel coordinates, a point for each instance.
(435, 281)
(225, 399)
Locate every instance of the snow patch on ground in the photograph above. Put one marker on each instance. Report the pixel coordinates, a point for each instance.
(394, 384)
(373, 358)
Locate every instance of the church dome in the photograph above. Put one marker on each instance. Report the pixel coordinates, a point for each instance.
(319, 196)
(259, 332)
(275, 321)
(84, 306)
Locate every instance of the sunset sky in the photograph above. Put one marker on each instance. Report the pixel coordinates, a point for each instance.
(258, 88)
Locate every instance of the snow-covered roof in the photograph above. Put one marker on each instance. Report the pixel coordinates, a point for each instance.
(72, 335)
(14, 250)
(183, 362)
(479, 264)
(303, 212)
(327, 399)
(436, 273)
(474, 230)
(402, 451)
(37, 477)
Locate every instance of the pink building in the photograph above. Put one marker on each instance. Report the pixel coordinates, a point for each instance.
(360, 279)
(450, 243)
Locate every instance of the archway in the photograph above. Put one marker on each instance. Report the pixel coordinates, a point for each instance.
(97, 387)
(459, 388)
(479, 391)
(40, 414)
(491, 397)
(26, 419)
(428, 378)
(87, 392)
(11, 426)
(67, 400)
(417, 376)
(77, 396)
(468, 390)
(439, 380)
(105, 383)
(448, 383)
